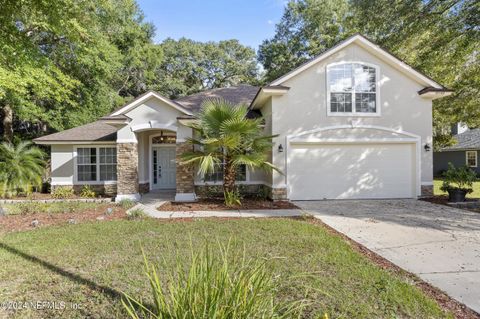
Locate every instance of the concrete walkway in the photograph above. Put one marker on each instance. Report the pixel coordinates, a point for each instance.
(438, 243)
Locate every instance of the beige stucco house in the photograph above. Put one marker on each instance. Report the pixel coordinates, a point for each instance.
(354, 122)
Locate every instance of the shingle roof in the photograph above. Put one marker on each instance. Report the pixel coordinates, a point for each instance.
(97, 131)
(467, 140)
(234, 94)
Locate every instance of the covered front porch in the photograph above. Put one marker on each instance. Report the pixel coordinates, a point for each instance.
(148, 159)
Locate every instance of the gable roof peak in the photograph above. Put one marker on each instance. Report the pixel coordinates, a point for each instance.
(370, 46)
(145, 96)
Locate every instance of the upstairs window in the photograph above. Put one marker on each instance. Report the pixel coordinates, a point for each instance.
(352, 89)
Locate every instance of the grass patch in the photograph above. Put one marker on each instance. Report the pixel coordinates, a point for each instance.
(51, 208)
(91, 264)
(437, 183)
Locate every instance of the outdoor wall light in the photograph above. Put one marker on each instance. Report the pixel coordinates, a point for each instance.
(280, 148)
(427, 147)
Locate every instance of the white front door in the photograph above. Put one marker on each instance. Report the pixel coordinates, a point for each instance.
(163, 167)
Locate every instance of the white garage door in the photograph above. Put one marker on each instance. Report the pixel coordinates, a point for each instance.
(351, 171)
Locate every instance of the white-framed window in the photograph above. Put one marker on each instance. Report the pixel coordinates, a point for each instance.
(217, 174)
(471, 158)
(96, 164)
(352, 89)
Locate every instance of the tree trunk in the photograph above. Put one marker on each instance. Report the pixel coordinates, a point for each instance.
(229, 175)
(7, 123)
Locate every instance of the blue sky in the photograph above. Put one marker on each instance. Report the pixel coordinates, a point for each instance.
(249, 21)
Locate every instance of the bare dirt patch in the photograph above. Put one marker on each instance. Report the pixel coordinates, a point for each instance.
(218, 204)
(10, 223)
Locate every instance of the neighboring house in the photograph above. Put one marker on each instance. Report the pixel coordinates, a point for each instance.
(354, 122)
(463, 153)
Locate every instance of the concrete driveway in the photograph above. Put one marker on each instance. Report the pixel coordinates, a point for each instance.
(438, 243)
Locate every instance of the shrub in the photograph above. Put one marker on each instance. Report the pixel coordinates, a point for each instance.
(212, 287)
(88, 192)
(458, 178)
(232, 198)
(62, 193)
(126, 203)
(136, 213)
(21, 168)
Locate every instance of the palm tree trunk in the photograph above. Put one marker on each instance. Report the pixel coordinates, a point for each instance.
(7, 123)
(228, 175)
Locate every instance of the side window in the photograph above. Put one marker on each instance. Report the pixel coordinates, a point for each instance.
(471, 157)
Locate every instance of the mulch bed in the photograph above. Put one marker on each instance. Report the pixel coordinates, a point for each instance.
(443, 200)
(218, 204)
(10, 223)
(459, 310)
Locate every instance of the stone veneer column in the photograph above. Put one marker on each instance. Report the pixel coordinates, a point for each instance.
(426, 190)
(278, 194)
(127, 171)
(185, 175)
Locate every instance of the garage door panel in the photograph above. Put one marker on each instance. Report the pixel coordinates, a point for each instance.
(346, 171)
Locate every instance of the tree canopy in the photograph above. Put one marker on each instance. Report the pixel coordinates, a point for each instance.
(438, 37)
(64, 63)
(189, 66)
(67, 62)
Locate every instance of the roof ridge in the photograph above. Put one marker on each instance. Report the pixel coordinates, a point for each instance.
(214, 89)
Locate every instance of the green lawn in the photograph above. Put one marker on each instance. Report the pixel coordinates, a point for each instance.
(437, 183)
(90, 263)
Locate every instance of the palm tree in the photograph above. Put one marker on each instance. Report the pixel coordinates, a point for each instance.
(21, 167)
(226, 138)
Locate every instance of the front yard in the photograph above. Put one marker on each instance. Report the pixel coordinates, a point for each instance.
(89, 265)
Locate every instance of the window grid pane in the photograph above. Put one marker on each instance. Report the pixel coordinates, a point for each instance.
(340, 102)
(86, 164)
(365, 102)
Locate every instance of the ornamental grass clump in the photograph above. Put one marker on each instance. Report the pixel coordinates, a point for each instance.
(215, 285)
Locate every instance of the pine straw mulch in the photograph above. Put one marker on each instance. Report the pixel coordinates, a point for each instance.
(20, 222)
(218, 204)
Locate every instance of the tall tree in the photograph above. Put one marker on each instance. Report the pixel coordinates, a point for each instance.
(189, 66)
(67, 62)
(440, 38)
